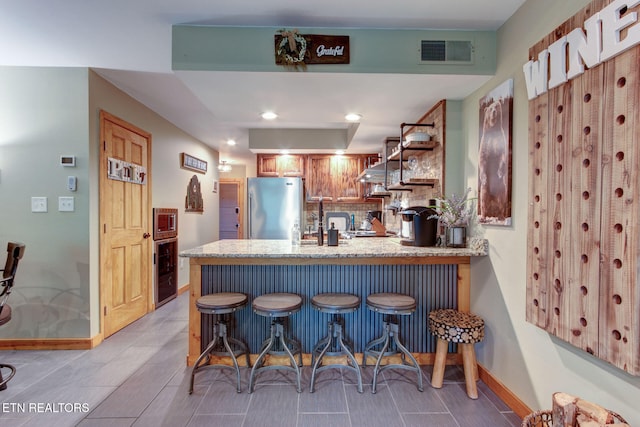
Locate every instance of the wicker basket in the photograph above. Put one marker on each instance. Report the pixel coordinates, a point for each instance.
(544, 419)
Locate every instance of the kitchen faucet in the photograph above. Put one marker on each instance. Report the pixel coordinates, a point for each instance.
(320, 228)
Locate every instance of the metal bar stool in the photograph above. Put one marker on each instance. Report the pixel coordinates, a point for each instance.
(221, 304)
(391, 305)
(333, 344)
(466, 329)
(277, 306)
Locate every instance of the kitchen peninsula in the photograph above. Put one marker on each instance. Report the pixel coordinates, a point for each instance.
(436, 277)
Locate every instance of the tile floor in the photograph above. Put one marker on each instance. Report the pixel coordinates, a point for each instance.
(138, 377)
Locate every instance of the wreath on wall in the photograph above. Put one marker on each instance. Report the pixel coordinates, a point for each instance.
(292, 49)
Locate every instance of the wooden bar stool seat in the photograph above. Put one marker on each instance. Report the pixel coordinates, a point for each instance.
(465, 329)
(391, 305)
(277, 306)
(334, 344)
(221, 304)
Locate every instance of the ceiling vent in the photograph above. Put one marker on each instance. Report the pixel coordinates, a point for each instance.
(446, 52)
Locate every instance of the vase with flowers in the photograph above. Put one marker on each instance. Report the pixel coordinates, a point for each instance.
(455, 214)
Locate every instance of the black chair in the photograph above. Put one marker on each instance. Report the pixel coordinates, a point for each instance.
(15, 251)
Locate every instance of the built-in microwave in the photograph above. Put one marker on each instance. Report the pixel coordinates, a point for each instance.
(165, 223)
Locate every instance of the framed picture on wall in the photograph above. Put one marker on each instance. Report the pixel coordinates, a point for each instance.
(194, 202)
(192, 163)
(494, 156)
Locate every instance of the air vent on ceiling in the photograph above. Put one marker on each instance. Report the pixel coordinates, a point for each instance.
(446, 51)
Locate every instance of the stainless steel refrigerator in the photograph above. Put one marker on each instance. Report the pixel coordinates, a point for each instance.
(274, 206)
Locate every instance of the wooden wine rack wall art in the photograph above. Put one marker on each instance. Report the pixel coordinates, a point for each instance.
(584, 196)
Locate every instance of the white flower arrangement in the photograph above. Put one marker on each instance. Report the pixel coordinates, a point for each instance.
(454, 211)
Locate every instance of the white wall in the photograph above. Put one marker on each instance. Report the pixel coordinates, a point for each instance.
(169, 181)
(48, 112)
(525, 358)
(43, 114)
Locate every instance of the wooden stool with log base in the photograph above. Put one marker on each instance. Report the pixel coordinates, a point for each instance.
(466, 329)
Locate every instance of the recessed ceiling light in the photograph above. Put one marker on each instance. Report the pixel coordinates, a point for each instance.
(269, 115)
(284, 151)
(231, 142)
(353, 117)
(339, 152)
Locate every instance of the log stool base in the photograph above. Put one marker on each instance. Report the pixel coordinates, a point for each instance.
(466, 329)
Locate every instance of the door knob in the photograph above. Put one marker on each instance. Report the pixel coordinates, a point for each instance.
(146, 235)
(237, 225)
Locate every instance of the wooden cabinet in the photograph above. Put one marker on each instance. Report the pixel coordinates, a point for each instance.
(347, 186)
(281, 165)
(335, 178)
(318, 182)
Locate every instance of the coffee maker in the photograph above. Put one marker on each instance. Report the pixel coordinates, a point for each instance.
(418, 228)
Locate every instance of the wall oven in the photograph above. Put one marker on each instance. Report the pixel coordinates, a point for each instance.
(165, 257)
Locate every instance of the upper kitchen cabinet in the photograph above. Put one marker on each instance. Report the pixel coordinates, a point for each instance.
(347, 186)
(333, 177)
(281, 165)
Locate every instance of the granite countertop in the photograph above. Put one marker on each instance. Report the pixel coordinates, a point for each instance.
(365, 247)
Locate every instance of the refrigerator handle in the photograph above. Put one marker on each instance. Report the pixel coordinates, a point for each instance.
(249, 215)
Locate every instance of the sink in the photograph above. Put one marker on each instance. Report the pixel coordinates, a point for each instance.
(314, 242)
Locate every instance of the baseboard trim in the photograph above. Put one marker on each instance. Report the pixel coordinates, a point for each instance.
(59, 343)
(503, 392)
(51, 343)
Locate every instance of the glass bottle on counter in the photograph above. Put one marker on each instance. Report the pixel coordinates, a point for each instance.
(295, 235)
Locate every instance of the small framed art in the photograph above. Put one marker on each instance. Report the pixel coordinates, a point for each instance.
(192, 163)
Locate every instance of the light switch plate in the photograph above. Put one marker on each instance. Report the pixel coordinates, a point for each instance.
(66, 204)
(38, 204)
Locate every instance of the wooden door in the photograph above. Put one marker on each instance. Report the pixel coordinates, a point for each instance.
(230, 210)
(125, 246)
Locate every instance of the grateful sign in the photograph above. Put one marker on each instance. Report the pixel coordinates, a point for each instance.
(292, 48)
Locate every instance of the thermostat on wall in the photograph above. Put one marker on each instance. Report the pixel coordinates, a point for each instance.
(68, 161)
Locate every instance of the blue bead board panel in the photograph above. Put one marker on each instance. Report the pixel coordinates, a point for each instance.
(433, 286)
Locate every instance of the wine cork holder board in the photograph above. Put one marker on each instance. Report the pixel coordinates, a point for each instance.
(584, 197)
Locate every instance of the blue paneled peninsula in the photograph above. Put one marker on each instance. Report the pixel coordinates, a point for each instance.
(437, 277)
